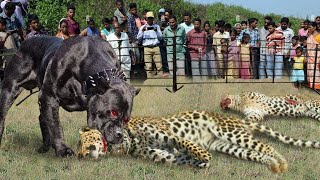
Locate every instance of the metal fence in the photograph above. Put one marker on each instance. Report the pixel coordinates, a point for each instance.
(222, 65)
(270, 60)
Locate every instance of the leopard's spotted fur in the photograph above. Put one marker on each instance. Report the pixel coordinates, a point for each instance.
(187, 137)
(255, 106)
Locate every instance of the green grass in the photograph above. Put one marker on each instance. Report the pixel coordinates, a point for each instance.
(19, 158)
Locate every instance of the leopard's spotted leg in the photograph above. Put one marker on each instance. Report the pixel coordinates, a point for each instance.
(250, 155)
(253, 115)
(162, 138)
(165, 155)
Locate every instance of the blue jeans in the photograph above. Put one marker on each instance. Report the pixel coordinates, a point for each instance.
(262, 66)
(274, 64)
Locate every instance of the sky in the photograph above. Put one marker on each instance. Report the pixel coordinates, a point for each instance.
(296, 8)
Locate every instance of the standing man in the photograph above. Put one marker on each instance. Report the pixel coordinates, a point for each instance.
(253, 31)
(73, 25)
(288, 34)
(188, 26)
(122, 14)
(197, 40)
(120, 40)
(263, 32)
(179, 32)
(150, 35)
(34, 26)
(220, 34)
(12, 22)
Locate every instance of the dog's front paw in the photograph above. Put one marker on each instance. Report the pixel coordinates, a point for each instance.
(66, 152)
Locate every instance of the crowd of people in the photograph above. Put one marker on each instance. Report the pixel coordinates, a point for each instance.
(160, 45)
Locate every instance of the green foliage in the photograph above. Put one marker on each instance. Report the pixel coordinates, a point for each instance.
(51, 11)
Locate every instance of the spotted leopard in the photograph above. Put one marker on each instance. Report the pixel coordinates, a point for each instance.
(255, 106)
(91, 143)
(186, 138)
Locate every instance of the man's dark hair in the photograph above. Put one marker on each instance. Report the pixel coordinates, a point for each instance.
(227, 26)
(169, 11)
(173, 17)
(187, 14)
(120, 1)
(71, 6)
(269, 18)
(306, 21)
(145, 11)
(285, 20)
(10, 6)
(132, 5)
(295, 38)
(105, 20)
(271, 23)
(244, 22)
(205, 23)
(197, 19)
(32, 17)
(252, 20)
(220, 23)
(3, 21)
(299, 48)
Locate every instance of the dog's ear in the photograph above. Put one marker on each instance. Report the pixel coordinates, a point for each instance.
(135, 91)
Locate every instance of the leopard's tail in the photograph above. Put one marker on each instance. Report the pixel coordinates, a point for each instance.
(283, 138)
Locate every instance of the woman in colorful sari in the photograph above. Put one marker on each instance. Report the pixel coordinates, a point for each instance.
(313, 56)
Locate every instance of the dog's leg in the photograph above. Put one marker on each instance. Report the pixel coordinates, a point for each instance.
(49, 110)
(45, 135)
(8, 95)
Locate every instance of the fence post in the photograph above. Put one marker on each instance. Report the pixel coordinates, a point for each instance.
(274, 62)
(227, 61)
(174, 68)
(315, 67)
(119, 49)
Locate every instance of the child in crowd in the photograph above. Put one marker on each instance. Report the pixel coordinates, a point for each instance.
(224, 52)
(245, 57)
(108, 29)
(297, 76)
(233, 56)
(91, 30)
(63, 32)
(295, 44)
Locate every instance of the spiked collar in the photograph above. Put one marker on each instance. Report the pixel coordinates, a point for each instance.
(107, 74)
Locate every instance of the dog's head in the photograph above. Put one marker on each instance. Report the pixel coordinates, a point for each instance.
(109, 108)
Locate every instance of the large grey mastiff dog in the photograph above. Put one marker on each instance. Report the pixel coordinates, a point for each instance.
(80, 73)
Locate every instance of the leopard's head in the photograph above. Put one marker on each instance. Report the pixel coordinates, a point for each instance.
(229, 102)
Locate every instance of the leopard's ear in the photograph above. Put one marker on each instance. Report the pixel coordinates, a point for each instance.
(84, 129)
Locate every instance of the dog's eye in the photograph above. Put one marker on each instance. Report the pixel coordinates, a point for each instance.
(113, 113)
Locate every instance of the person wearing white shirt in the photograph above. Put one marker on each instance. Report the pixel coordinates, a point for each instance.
(150, 35)
(121, 39)
(187, 25)
(288, 34)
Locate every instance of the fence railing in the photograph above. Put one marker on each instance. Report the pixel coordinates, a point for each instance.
(230, 62)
